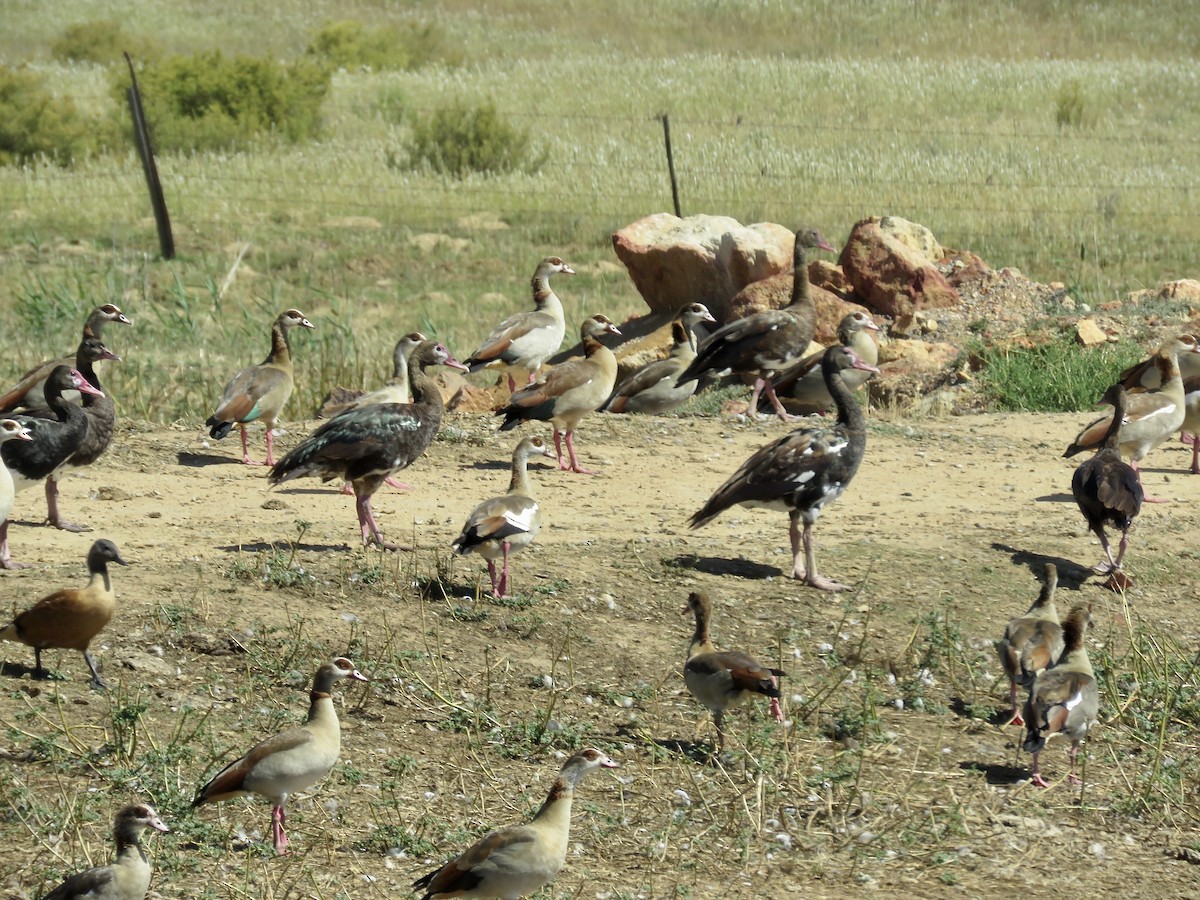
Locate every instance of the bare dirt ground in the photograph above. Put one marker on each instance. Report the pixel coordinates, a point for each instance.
(944, 533)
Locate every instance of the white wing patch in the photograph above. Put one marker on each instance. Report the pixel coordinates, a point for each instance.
(1075, 700)
(522, 518)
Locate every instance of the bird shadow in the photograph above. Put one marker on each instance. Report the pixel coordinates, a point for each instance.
(1070, 574)
(498, 465)
(271, 547)
(1055, 498)
(740, 568)
(964, 710)
(201, 460)
(996, 773)
(703, 754)
(19, 670)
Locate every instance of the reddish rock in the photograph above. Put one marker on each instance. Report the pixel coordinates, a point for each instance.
(705, 259)
(962, 266)
(891, 277)
(829, 276)
(911, 369)
(776, 292)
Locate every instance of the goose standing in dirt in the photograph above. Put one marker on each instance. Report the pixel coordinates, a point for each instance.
(504, 525)
(260, 392)
(366, 445)
(518, 860)
(527, 339)
(128, 876)
(804, 381)
(652, 389)
(1146, 376)
(803, 471)
(1031, 642)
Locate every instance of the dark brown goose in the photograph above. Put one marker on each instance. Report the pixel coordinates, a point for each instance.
(802, 472)
(1031, 642)
(365, 445)
(766, 343)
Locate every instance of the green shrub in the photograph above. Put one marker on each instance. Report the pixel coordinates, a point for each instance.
(34, 124)
(350, 44)
(211, 102)
(1057, 376)
(459, 139)
(102, 41)
(1070, 106)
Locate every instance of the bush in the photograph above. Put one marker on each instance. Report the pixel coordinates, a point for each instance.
(102, 41)
(34, 124)
(210, 102)
(351, 45)
(459, 139)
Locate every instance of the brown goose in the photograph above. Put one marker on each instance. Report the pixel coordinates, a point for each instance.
(1145, 376)
(804, 381)
(292, 760)
(1031, 642)
(395, 391)
(652, 389)
(260, 392)
(721, 679)
(128, 876)
(517, 860)
(1064, 698)
(504, 525)
(527, 339)
(766, 343)
(69, 619)
(1150, 418)
(1108, 490)
(803, 471)
(30, 390)
(569, 392)
(365, 445)
(54, 441)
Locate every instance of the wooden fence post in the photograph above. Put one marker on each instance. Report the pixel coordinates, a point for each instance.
(166, 241)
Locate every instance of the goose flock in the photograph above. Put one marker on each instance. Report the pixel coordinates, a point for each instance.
(58, 417)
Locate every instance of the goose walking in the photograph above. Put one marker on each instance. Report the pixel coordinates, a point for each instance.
(1031, 642)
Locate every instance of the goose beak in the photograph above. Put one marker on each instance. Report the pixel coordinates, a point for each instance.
(359, 676)
(866, 367)
(159, 825)
(612, 329)
(826, 246)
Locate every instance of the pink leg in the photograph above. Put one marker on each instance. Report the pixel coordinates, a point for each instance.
(798, 570)
(277, 831)
(369, 528)
(495, 580)
(1103, 568)
(270, 446)
(1072, 777)
(1190, 440)
(512, 385)
(52, 509)
(778, 406)
(1037, 776)
(752, 409)
(575, 467)
(1146, 498)
(813, 579)
(776, 710)
(558, 448)
(6, 561)
(502, 590)
(246, 450)
(1012, 699)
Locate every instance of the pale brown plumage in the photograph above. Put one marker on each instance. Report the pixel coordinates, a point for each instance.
(292, 760)
(517, 860)
(1031, 641)
(804, 382)
(397, 389)
(569, 392)
(69, 619)
(128, 876)
(653, 389)
(1145, 376)
(720, 679)
(260, 392)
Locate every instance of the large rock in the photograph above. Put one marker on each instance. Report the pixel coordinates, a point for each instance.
(889, 274)
(705, 259)
(776, 292)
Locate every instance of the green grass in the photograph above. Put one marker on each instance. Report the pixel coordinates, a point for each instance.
(1055, 376)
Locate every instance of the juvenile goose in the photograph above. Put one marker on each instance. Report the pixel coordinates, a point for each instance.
(569, 392)
(1064, 698)
(128, 876)
(804, 381)
(69, 619)
(260, 392)
(365, 445)
(1150, 417)
(652, 389)
(527, 339)
(517, 860)
(766, 343)
(1031, 642)
(395, 391)
(54, 441)
(30, 390)
(504, 525)
(1106, 489)
(803, 471)
(721, 679)
(292, 760)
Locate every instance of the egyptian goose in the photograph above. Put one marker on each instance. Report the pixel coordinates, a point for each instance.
(1064, 698)
(803, 471)
(528, 339)
(260, 392)
(292, 760)
(395, 391)
(804, 381)
(128, 876)
(1190, 430)
(29, 391)
(569, 392)
(694, 317)
(1107, 489)
(54, 441)
(1150, 418)
(720, 679)
(365, 445)
(69, 619)
(652, 389)
(10, 430)
(504, 525)
(1145, 376)
(1031, 642)
(766, 343)
(517, 860)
